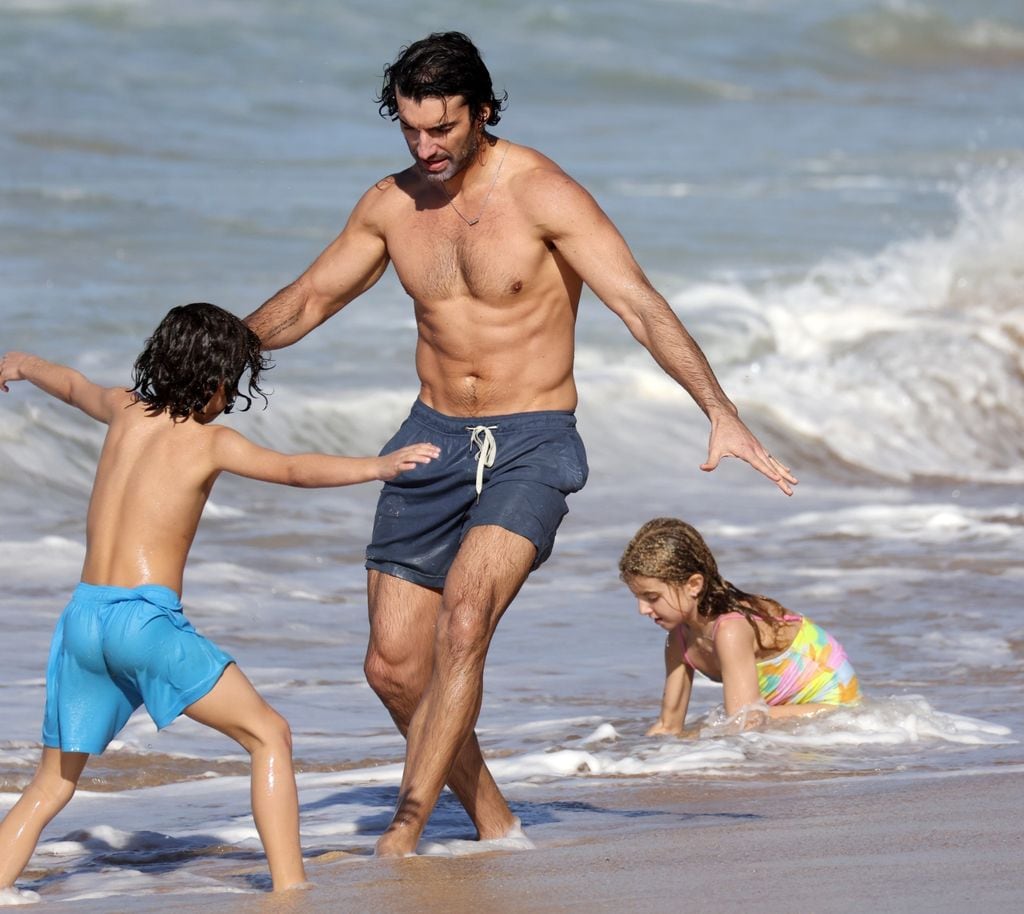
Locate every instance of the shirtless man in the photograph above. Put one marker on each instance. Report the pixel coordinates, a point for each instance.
(493, 242)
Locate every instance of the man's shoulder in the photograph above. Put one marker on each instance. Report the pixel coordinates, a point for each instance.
(542, 186)
(530, 162)
(385, 196)
(399, 183)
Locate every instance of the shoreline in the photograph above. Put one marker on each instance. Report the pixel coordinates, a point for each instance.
(942, 842)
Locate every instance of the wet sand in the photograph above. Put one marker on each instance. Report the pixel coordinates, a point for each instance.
(901, 843)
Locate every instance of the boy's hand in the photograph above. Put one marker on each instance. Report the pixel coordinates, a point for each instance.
(406, 458)
(11, 368)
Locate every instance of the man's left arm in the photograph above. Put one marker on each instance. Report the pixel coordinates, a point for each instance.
(596, 250)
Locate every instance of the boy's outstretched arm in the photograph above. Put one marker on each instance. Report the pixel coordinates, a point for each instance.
(234, 453)
(59, 381)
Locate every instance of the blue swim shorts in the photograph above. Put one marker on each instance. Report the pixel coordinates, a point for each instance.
(510, 471)
(114, 649)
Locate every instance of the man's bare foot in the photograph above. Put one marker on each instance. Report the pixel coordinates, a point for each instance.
(507, 827)
(515, 836)
(397, 841)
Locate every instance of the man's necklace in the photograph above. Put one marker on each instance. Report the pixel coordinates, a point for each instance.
(487, 196)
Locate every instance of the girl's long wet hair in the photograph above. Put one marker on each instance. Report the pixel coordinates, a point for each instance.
(671, 550)
(194, 350)
(442, 65)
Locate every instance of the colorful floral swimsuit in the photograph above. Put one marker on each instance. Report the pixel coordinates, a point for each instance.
(814, 668)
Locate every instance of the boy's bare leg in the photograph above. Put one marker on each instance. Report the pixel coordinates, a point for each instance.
(236, 709)
(488, 571)
(47, 794)
(399, 664)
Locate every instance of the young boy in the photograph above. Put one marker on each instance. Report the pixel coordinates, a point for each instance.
(123, 641)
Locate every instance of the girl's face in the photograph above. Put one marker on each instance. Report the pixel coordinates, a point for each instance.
(667, 605)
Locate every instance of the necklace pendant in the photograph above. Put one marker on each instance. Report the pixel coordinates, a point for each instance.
(487, 196)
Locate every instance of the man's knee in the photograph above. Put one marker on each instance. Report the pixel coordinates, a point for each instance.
(379, 674)
(467, 630)
(394, 679)
(399, 657)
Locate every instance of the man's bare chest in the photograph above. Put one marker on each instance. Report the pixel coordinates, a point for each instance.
(439, 257)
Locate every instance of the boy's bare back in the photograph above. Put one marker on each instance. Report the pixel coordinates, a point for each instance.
(152, 481)
(156, 471)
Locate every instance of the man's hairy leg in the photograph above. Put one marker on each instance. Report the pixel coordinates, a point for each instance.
(488, 571)
(399, 664)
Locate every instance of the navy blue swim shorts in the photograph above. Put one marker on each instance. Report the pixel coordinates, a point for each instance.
(510, 471)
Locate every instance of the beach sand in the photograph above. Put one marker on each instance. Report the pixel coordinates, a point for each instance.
(900, 843)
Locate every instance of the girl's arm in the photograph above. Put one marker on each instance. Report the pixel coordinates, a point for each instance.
(735, 648)
(234, 453)
(61, 382)
(676, 697)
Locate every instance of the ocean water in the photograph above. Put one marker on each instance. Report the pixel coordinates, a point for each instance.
(830, 195)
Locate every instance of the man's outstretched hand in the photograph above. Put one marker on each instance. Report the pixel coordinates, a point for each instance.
(731, 438)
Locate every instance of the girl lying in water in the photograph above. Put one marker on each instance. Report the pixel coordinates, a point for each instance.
(762, 654)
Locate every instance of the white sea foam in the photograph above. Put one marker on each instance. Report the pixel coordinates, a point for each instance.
(125, 881)
(11, 897)
(974, 649)
(901, 363)
(515, 840)
(896, 722)
(916, 35)
(936, 523)
(603, 734)
(42, 560)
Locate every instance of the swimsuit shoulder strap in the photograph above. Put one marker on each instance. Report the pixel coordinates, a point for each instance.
(786, 617)
(714, 628)
(685, 647)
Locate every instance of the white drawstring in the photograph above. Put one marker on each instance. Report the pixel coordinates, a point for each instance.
(481, 436)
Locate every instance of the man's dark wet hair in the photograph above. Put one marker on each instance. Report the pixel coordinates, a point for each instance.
(194, 350)
(442, 65)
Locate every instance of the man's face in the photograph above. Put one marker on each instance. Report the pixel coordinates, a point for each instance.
(440, 133)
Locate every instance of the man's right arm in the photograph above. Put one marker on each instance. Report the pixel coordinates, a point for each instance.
(347, 267)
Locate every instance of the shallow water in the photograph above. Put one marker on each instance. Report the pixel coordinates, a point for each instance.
(833, 200)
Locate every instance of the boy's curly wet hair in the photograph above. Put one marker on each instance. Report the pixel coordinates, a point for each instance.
(442, 65)
(194, 350)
